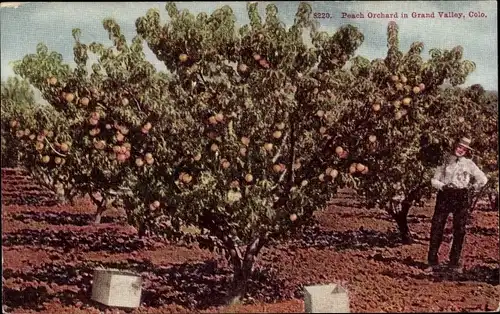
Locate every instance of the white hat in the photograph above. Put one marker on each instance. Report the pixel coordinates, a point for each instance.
(465, 142)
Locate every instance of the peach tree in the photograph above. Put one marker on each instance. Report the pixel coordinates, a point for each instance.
(237, 159)
(17, 99)
(109, 108)
(25, 126)
(31, 132)
(397, 128)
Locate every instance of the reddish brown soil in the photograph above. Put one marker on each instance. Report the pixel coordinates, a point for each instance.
(50, 251)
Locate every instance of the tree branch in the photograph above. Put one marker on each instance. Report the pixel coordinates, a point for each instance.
(283, 175)
(278, 153)
(236, 257)
(43, 179)
(202, 78)
(291, 177)
(95, 201)
(479, 194)
(133, 98)
(53, 149)
(256, 245)
(251, 247)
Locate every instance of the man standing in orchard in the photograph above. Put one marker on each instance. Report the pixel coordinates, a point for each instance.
(453, 182)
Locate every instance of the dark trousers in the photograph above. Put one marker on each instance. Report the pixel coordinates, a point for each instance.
(455, 201)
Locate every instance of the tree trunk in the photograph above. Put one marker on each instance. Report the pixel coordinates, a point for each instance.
(493, 201)
(70, 196)
(401, 218)
(98, 214)
(141, 230)
(242, 267)
(404, 230)
(101, 207)
(239, 283)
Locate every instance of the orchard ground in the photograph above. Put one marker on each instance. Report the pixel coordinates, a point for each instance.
(50, 251)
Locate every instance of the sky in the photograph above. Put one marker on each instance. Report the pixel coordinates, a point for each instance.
(23, 25)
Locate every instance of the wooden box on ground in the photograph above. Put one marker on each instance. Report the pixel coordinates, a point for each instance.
(119, 288)
(326, 299)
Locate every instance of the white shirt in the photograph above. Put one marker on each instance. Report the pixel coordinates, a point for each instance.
(458, 171)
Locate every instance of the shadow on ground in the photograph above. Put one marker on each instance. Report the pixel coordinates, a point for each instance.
(353, 239)
(419, 219)
(448, 233)
(477, 274)
(408, 261)
(368, 214)
(34, 297)
(105, 240)
(480, 273)
(347, 203)
(486, 208)
(29, 200)
(191, 285)
(64, 218)
(383, 216)
(483, 231)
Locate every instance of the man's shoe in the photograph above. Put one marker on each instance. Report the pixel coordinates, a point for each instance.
(429, 269)
(457, 269)
(432, 268)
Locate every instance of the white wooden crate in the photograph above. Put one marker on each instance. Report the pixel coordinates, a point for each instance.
(119, 288)
(326, 299)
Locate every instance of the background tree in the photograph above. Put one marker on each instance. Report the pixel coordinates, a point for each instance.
(106, 112)
(25, 126)
(401, 123)
(17, 99)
